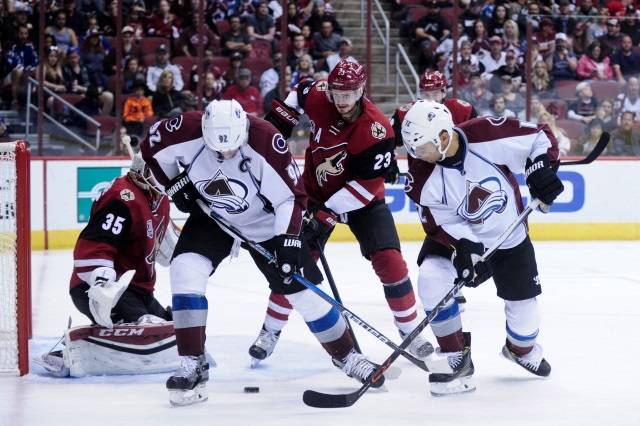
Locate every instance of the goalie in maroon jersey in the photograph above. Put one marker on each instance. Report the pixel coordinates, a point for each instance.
(350, 151)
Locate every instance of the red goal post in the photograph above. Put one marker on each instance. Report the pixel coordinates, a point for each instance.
(15, 257)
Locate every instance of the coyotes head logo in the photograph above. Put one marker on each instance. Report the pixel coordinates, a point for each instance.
(330, 166)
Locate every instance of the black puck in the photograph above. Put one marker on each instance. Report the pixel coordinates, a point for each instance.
(251, 389)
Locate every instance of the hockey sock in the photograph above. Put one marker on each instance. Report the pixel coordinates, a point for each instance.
(278, 312)
(190, 321)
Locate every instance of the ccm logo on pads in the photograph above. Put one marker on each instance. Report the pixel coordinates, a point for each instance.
(122, 332)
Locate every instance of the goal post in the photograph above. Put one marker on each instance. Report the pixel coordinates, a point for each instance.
(15, 257)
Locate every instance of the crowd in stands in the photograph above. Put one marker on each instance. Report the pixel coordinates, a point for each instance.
(584, 68)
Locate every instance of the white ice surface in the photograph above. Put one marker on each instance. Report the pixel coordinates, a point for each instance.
(590, 325)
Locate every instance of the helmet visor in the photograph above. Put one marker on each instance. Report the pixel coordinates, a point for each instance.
(345, 97)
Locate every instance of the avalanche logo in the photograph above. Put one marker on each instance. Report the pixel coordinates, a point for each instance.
(330, 166)
(279, 144)
(482, 200)
(225, 193)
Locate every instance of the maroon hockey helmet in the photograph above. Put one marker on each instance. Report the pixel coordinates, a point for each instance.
(432, 81)
(347, 77)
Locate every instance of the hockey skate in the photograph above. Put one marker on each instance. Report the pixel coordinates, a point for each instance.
(263, 347)
(461, 380)
(188, 384)
(420, 348)
(462, 301)
(53, 363)
(358, 367)
(533, 362)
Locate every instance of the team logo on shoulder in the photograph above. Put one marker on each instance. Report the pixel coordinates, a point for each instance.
(225, 193)
(173, 124)
(378, 131)
(279, 144)
(150, 228)
(406, 107)
(321, 86)
(483, 199)
(127, 195)
(463, 103)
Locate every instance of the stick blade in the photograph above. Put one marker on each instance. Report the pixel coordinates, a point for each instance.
(325, 400)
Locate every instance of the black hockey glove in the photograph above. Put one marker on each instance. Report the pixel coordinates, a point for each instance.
(319, 224)
(542, 181)
(282, 117)
(466, 254)
(184, 194)
(287, 255)
(393, 175)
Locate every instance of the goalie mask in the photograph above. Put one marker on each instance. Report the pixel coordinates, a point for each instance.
(225, 126)
(141, 175)
(427, 122)
(433, 86)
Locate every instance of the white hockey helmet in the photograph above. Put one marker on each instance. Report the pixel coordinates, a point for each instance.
(141, 175)
(424, 123)
(225, 126)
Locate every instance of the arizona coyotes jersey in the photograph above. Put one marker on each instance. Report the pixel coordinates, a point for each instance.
(123, 233)
(345, 163)
(259, 190)
(479, 198)
(461, 111)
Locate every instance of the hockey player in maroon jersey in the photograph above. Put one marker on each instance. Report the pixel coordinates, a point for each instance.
(350, 151)
(467, 195)
(433, 86)
(241, 167)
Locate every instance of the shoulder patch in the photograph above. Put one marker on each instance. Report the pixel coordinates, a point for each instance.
(279, 144)
(463, 103)
(378, 131)
(127, 195)
(321, 86)
(406, 107)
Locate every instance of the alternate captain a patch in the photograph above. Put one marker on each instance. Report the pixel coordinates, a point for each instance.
(378, 131)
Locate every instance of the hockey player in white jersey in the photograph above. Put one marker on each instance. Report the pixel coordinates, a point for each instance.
(467, 195)
(241, 167)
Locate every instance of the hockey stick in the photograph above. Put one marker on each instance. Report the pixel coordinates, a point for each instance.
(344, 311)
(324, 400)
(334, 290)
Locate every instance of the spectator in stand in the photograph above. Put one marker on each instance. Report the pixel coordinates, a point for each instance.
(625, 140)
(584, 108)
(593, 65)
(276, 92)
(498, 108)
(562, 63)
(188, 40)
(53, 78)
(49, 41)
(598, 28)
(20, 57)
(465, 70)
(564, 143)
(138, 21)
(107, 18)
(235, 65)
(546, 37)
(429, 30)
(343, 54)
(65, 36)
(625, 62)
(479, 37)
(247, 95)
(261, 25)
(271, 77)
(236, 39)
(166, 97)
(529, 14)
(308, 37)
(129, 49)
(578, 41)
(92, 26)
(326, 41)
(294, 20)
(217, 11)
(585, 13)
(616, 7)
(320, 15)
(244, 9)
(476, 93)
(132, 73)
(89, 7)
(610, 42)
(163, 23)
(513, 71)
(136, 109)
(297, 49)
(511, 38)
(514, 100)
(492, 59)
(162, 64)
(630, 25)
(10, 27)
(587, 142)
(195, 74)
(89, 105)
(75, 20)
(187, 103)
(542, 83)
(606, 114)
(629, 100)
(213, 86)
(469, 16)
(495, 26)
(93, 57)
(78, 79)
(303, 71)
(464, 52)
(536, 107)
(564, 22)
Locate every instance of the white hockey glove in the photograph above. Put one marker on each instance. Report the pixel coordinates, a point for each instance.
(168, 245)
(105, 293)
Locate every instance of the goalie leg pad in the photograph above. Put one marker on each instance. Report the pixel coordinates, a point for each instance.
(53, 362)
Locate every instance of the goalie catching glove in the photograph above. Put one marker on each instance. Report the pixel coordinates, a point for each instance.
(282, 117)
(466, 260)
(184, 194)
(542, 181)
(105, 293)
(287, 252)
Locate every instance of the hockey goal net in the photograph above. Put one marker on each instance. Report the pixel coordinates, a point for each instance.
(15, 258)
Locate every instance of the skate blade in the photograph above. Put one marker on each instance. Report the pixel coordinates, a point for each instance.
(188, 397)
(56, 370)
(454, 387)
(255, 362)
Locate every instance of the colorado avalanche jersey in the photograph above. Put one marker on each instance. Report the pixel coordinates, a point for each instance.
(123, 233)
(345, 163)
(259, 190)
(480, 197)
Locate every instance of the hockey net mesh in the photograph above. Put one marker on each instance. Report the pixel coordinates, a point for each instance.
(8, 259)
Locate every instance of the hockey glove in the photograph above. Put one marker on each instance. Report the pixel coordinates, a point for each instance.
(105, 293)
(393, 175)
(542, 181)
(282, 117)
(319, 224)
(287, 255)
(184, 194)
(466, 260)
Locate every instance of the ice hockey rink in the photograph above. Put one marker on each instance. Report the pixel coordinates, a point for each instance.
(589, 331)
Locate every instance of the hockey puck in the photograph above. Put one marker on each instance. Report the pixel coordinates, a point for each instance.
(251, 389)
